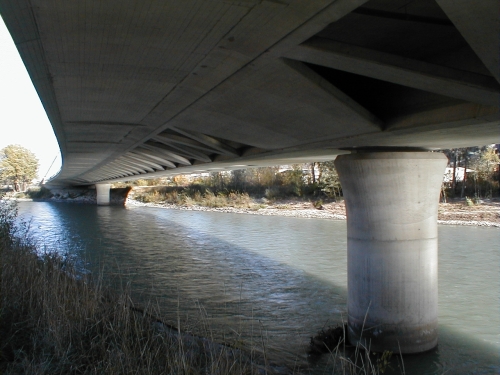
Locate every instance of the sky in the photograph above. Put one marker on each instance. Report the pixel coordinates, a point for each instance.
(23, 120)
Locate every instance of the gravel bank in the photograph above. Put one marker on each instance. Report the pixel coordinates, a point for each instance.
(332, 211)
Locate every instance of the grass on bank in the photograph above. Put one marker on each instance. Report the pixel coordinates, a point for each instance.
(194, 196)
(53, 321)
(199, 195)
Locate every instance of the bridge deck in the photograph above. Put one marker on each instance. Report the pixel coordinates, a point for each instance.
(136, 89)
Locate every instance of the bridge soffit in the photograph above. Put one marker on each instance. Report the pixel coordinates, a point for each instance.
(381, 72)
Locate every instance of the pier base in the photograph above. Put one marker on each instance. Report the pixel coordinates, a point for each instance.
(103, 196)
(392, 203)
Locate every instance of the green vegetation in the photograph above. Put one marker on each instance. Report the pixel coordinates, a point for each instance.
(18, 166)
(486, 173)
(348, 359)
(39, 192)
(241, 188)
(314, 182)
(482, 177)
(193, 195)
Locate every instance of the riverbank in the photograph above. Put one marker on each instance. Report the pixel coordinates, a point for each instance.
(67, 195)
(485, 213)
(293, 283)
(456, 212)
(56, 320)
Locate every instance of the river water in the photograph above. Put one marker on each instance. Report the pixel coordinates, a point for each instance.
(272, 281)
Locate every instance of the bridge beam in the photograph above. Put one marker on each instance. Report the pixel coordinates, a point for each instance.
(103, 196)
(392, 204)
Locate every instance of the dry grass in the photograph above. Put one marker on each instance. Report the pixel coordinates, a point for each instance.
(353, 360)
(54, 321)
(191, 197)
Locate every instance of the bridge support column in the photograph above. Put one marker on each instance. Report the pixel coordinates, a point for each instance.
(392, 203)
(103, 196)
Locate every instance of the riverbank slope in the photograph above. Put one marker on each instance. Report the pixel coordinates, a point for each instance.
(484, 213)
(54, 319)
(455, 212)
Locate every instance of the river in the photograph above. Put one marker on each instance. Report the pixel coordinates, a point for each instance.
(272, 281)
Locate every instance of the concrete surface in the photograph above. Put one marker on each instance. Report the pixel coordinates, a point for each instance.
(143, 89)
(102, 192)
(392, 249)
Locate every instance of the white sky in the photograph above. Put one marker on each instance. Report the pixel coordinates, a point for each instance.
(23, 120)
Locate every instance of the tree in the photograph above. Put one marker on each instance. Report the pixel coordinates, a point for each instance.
(18, 166)
(313, 172)
(484, 167)
(218, 181)
(331, 181)
(294, 179)
(238, 181)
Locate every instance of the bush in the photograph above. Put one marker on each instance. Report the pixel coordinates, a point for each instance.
(193, 195)
(8, 213)
(39, 193)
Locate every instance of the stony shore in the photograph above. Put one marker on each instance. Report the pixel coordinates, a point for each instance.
(486, 214)
(455, 212)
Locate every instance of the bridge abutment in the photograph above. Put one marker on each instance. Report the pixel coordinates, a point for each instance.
(392, 202)
(103, 194)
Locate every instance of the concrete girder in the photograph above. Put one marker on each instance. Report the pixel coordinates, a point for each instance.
(150, 162)
(119, 168)
(103, 172)
(116, 176)
(227, 59)
(100, 176)
(137, 170)
(124, 172)
(479, 24)
(171, 155)
(98, 172)
(442, 80)
(331, 13)
(157, 161)
(132, 167)
(128, 166)
(134, 164)
(181, 140)
(209, 141)
(340, 101)
(183, 150)
(468, 120)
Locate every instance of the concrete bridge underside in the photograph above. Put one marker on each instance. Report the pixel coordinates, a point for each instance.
(138, 89)
(142, 89)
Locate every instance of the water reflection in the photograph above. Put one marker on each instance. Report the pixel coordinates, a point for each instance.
(282, 275)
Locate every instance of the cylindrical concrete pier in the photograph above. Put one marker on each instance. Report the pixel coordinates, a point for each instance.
(392, 202)
(103, 196)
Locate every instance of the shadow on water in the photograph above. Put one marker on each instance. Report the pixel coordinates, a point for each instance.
(246, 276)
